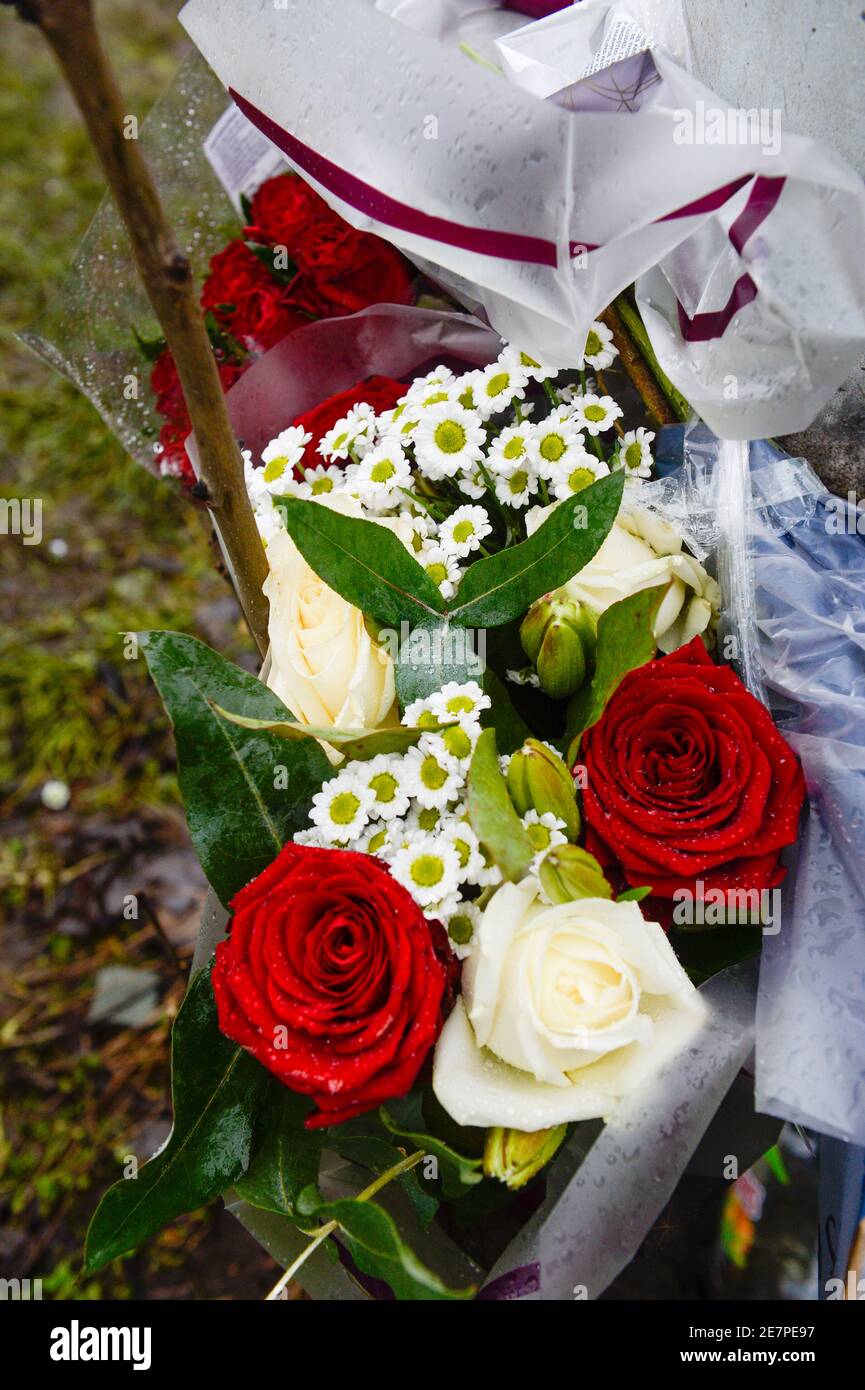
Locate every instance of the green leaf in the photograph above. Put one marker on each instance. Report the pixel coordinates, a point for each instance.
(238, 819)
(704, 953)
(377, 1249)
(376, 1152)
(491, 811)
(150, 348)
(431, 655)
(405, 1119)
(634, 895)
(217, 1091)
(510, 728)
(287, 1159)
(364, 562)
(626, 640)
(358, 745)
(503, 586)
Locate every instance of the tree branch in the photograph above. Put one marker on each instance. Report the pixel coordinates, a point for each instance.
(69, 29)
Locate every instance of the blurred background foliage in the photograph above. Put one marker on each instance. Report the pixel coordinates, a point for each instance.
(121, 550)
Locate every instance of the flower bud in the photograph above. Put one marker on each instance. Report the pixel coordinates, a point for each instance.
(559, 636)
(515, 1157)
(568, 872)
(539, 780)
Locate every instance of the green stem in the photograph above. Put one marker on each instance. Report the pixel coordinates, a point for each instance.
(328, 1229)
(551, 394)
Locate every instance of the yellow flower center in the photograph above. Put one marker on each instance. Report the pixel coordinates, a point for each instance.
(450, 437)
(275, 468)
(344, 808)
(552, 447)
(427, 870)
(580, 478)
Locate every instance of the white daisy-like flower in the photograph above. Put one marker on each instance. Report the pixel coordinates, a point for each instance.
(543, 831)
(497, 386)
(461, 925)
(515, 487)
(309, 837)
(440, 379)
(458, 740)
(532, 367)
(466, 843)
(422, 820)
(441, 567)
(472, 483)
(464, 701)
(448, 439)
(380, 474)
(555, 443)
(268, 523)
(510, 448)
(573, 474)
(490, 875)
(320, 480)
(397, 423)
(282, 455)
(431, 775)
(353, 434)
(596, 413)
(599, 351)
(634, 452)
(342, 808)
(429, 868)
(464, 530)
(525, 676)
(384, 777)
(383, 838)
(421, 715)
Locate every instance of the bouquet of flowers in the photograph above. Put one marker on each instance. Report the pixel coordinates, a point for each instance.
(495, 771)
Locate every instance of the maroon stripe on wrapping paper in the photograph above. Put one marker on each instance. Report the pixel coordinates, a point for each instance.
(510, 246)
(538, 9)
(703, 327)
(707, 202)
(517, 1283)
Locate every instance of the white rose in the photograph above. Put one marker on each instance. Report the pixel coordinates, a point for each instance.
(564, 1010)
(324, 665)
(641, 551)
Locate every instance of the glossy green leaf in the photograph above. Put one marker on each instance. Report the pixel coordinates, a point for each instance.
(626, 640)
(364, 562)
(373, 1148)
(377, 1249)
(288, 1157)
(634, 895)
(491, 811)
(358, 745)
(217, 1092)
(240, 809)
(405, 1119)
(429, 656)
(503, 586)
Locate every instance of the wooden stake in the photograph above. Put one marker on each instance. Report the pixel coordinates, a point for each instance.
(69, 28)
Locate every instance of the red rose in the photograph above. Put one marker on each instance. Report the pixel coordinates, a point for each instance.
(247, 300)
(343, 270)
(381, 392)
(331, 979)
(283, 209)
(688, 779)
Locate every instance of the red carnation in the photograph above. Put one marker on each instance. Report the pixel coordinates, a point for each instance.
(171, 405)
(331, 979)
(283, 209)
(688, 779)
(381, 392)
(247, 300)
(343, 270)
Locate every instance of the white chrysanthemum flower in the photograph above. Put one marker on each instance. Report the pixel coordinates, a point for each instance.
(440, 379)
(466, 843)
(310, 837)
(321, 480)
(464, 530)
(505, 762)
(397, 423)
(510, 448)
(429, 868)
(515, 487)
(599, 351)
(384, 777)
(543, 831)
(532, 367)
(421, 715)
(596, 413)
(423, 820)
(431, 775)
(497, 386)
(525, 676)
(353, 434)
(459, 742)
(472, 483)
(554, 443)
(380, 474)
(441, 568)
(464, 701)
(384, 839)
(448, 439)
(282, 455)
(491, 875)
(461, 925)
(634, 452)
(342, 808)
(573, 474)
